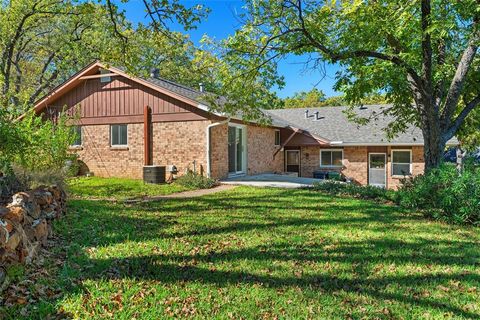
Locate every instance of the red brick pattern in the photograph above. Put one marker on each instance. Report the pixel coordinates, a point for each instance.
(260, 150)
(180, 144)
(174, 143)
(355, 163)
(219, 151)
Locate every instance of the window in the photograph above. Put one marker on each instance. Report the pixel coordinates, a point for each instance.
(104, 79)
(401, 162)
(77, 131)
(277, 137)
(331, 158)
(118, 135)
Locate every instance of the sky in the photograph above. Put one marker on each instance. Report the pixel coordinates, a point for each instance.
(223, 21)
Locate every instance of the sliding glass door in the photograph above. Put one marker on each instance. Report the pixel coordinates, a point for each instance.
(236, 150)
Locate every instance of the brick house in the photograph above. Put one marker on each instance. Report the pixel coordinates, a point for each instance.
(126, 122)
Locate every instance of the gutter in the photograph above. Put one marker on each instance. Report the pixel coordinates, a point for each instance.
(209, 158)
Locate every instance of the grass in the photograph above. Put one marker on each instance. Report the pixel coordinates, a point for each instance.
(119, 188)
(257, 253)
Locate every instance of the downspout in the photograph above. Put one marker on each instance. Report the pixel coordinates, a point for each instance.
(209, 158)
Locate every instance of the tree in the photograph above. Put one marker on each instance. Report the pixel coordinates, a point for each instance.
(311, 99)
(43, 42)
(422, 54)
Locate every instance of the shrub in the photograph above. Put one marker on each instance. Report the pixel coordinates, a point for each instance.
(353, 190)
(196, 181)
(33, 151)
(444, 194)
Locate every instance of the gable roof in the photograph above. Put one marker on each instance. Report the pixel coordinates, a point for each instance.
(182, 93)
(334, 126)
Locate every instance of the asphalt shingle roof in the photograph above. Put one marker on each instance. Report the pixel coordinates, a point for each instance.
(335, 126)
(177, 88)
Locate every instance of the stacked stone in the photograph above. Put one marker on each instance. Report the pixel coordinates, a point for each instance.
(26, 223)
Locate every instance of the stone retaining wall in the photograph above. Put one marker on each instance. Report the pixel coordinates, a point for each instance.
(26, 224)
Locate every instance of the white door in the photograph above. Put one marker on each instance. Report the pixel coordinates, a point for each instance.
(377, 169)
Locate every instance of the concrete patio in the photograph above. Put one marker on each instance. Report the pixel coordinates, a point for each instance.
(272, 180)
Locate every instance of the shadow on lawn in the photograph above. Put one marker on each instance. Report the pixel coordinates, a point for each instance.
(244, 212)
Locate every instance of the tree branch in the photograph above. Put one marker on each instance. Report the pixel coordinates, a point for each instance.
(458, 80)
(462, 116)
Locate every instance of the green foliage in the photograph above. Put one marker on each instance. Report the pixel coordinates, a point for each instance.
(311, 99)
(442, 194)
(196, 181)
(354, 190)
(380, 46)
(316, 98)
(35, 150)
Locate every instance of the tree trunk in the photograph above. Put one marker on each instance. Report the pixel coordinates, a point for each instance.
(434, 142)
(433, 152)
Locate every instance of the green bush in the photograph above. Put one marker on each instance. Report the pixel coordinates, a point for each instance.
(353, 190)
(196, 181)
(444, 194)
(34, 150)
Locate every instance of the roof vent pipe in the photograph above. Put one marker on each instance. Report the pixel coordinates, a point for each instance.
(306, 114)
(200, 86)
(155, 73)
(317, 116)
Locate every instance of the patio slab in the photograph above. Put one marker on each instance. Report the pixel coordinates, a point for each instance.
(272, 180)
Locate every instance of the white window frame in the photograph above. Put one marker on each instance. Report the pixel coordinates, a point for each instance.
(411, 162)
(331, 166)
(81, 137)
(279, 138)
(111, 136)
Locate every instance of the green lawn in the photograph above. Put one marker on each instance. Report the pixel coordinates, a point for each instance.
(257, 254)
(118, 188)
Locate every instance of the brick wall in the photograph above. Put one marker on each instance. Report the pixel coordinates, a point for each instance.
(178, 143)
(175, 143)
(309, 161)
(260, 150)
(219, 151)
(356, 163)
(105, 161)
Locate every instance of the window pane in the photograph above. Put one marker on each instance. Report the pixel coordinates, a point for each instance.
(326, 158)
(337, 158)
(123, 134)
(232, 147)
(401, 156)
(401, 169)
(114, 134)
(277, 138)
(377, 161)
(77, 131)
(239, 142)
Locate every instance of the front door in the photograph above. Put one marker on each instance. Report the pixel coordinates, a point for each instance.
(236, 150)
(377, 174)
(292, 161)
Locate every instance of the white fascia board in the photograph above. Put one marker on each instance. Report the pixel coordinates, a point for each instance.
(207, 108)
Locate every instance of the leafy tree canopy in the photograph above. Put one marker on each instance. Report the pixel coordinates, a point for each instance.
(316, 98)
(422, 54)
